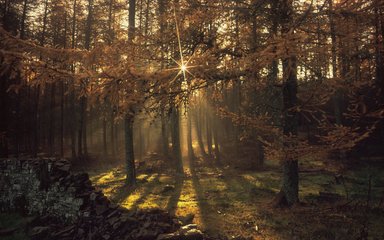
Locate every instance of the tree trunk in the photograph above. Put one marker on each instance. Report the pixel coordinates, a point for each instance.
(208, 129)
(51, 137)
(164, 118)
(260, 155)
(82, 137)
(337, 97)
(129, 152)
(176, 148)
(23, 19)
(113, 137)
(4, 118)
(62, 100)
(85, 144)
(379, 60)
(62, 93)
(81, 126)
(164, 134)
(216, 140)
(131, 20)
(199, 134)
(140, 142)
(105, 147)
(290, 186)
(191, 154)
(129, 117)
(36, 123)
(72, 90)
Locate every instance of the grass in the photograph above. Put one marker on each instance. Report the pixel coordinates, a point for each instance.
(234, 203)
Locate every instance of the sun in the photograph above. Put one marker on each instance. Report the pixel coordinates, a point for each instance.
(183, 67)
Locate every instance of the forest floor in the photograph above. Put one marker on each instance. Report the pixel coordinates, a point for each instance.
(236, 203)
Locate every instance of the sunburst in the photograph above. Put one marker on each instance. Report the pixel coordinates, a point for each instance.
(182, 65)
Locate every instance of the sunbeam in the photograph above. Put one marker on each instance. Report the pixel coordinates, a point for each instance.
(182, 65)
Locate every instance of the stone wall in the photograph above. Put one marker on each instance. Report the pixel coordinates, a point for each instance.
(67, 206)
(41, 186)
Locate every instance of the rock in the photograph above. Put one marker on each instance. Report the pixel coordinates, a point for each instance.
(187, 219)
(39, 232)
(101, 209)
(65, 167)
(169, 236)
(106, 236)
(7, 231)
(193, 234)
(80, 232)
(167, 188)
(64, 232)
(186, 228)
(221, 176)
(188, 232)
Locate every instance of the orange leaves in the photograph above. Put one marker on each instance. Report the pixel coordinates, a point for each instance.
(339, 137)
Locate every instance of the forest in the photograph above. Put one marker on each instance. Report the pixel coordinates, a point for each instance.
(240, 119)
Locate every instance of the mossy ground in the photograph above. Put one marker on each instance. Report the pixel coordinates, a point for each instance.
(238, 203)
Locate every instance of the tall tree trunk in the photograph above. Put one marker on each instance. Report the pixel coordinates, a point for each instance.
(146, 25)
(129, 152)
(113, 137)
(72, 87)
(164, 134)
(36, 123)
(4, 118)
(37, 95)
(62, 100)
(117, 139)
(85, 139)
(23, 19)
(82, 134)
(62, 92)
(337, 96)
(191, 154)
(164, 118)
(51, 137)
(129, 117)
(290, 186)
(379, 34)
(199, 134)
(81, 127)
(105, 147)
(215, 129)
(176, 148)
(131, 20)
(254, 46)
(140, 142)
(208, 128)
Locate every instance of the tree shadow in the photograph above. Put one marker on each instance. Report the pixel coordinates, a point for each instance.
(205, 209)
(233, 179)
(149, 187)
(122, 193)
(175, 197)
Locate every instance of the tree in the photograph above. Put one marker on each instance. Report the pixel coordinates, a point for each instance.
(129, 117)
(290, 187)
